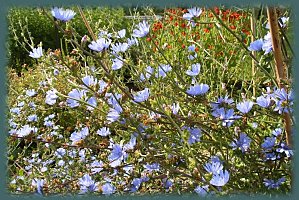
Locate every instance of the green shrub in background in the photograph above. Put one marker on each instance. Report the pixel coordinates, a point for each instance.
(24, 23)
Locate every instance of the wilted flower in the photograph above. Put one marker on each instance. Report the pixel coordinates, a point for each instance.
(175, 108)
(62, 15)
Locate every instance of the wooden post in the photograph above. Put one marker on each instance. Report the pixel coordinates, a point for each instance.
(253, 29)
(280, 68)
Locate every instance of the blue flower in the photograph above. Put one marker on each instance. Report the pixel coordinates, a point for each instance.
(73, 95)
(113, 115)
(104, 34)
(141, 95)
(227, 116)
(213, 167)
(32, 118)
(285, 149)
(30, 93)
(221, 102)
(243, 143)
(113, 101)
(51, 97)
(271, 156)
(152, 167)
(89, 80)
(175, 108)
(142, 30)
(195, 134)
(39, 183)
(256, 45)
(78, 136)
(131, 144)
(245, 106)
(117, 64)
(60, 152)
(96, 166)
(267, 45)
(284, 101)
(121, 33)
(55, 72)
(268, 143)
(271, 184)
(119, 47)
(36, 52)
(202, 191)
(92, 102)
(277, 132)
(62, 15)
(167, 183)
(195, 69)
(100, 45)
(193, 12)
(108, 189)
(102, 86)
(162, 70)
(87, 184)
(263, 101)
(116, 156)
(104, 132)
(220, 179)
(132, 41)
(148, 73)
(136, 183)
(198, 89)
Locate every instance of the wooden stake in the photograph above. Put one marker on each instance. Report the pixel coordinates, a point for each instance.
(253, 29)
(280, 68)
